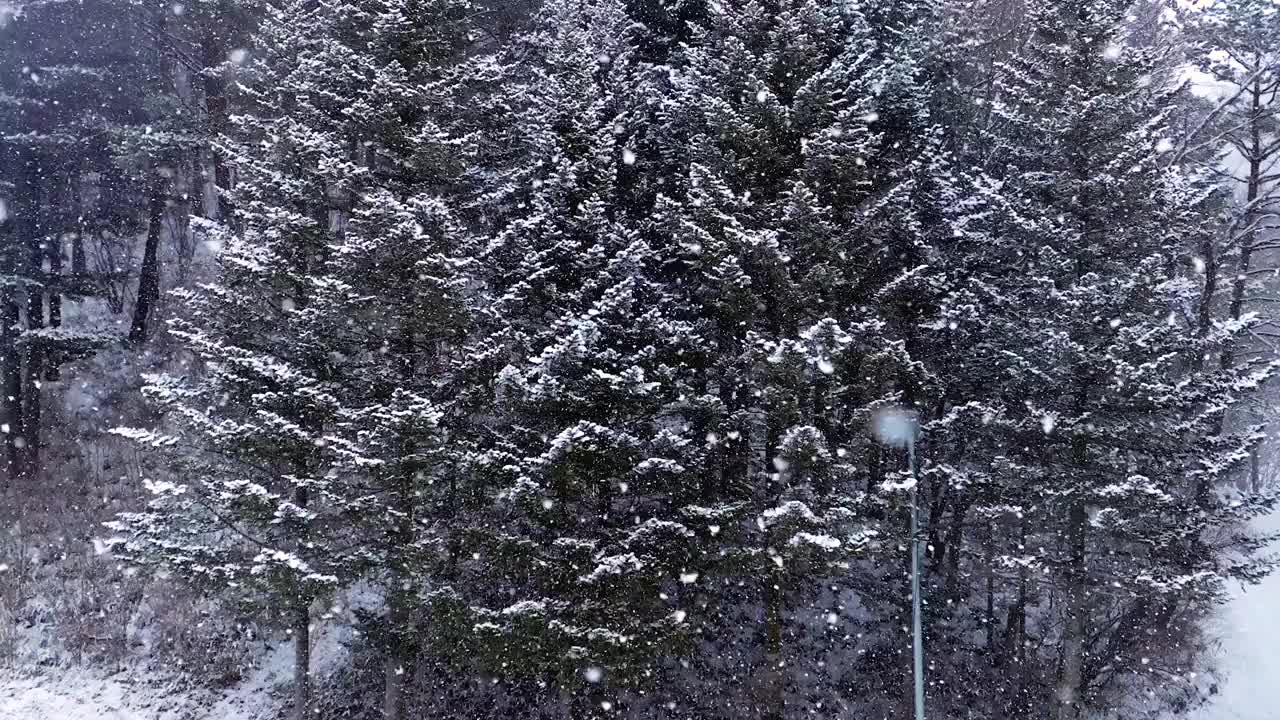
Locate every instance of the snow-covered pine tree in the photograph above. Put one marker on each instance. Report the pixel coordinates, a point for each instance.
(802, 222)
(763, 216)
(575, 576)
(158, 151)
(1238, 140)
(391, 305)
(212, 38)
(63, 124)
(300, 437)
(1082, 398)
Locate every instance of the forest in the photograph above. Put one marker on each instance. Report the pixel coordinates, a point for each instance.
(543, 351)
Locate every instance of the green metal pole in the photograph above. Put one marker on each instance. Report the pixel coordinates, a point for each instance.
(917, 633)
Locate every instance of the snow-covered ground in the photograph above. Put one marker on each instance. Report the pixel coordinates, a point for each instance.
(83, 695)
(78, 696)
(68, 693)
(1248, 672)
(1249, 662)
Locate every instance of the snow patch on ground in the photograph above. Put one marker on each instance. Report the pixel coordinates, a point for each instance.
(1249, 654)
(82, 694)
(78, 695)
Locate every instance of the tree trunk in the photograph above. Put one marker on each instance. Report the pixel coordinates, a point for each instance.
(950, 551)
(213, 54)
(773, 682)
(989, 542)
(399, 651)
(1070, 679)
(33, 355)
(149, 281)
(1239, 285)
(53, 361)
(1253, 188)
(79, 263)
(302, 662)
(1255, 471)
(1015, 636)
(774, 675)
(10, 317)
(399, 658)
(1204, 320)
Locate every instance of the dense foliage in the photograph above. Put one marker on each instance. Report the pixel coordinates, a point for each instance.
(565, 328)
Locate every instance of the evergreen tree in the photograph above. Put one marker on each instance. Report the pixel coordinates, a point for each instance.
(67, 159)
(392, 306)
(1238, 46)
(329, 333)
(814, 177)
(748, 185)
(569, 340)
(581, 560)
(1095, 427)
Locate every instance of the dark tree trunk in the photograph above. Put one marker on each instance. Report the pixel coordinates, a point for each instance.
(773, 675)
(149, 281)
(33, 354)
(1204, 319)
(24, 226)
(1256, 180)
(10, 316)
(1075, 630)
(301, 622)
(989, 541)
(949, 553)
(399, 658)
(212, 55)
(302, 662)
(54, 253)
(1255, 471)
(79, 264)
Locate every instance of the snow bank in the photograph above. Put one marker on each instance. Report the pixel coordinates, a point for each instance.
(82, 694)
(1249, 654)
(76, 695)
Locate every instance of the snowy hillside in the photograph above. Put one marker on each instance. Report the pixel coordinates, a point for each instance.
(81, 697)
(1249, 655)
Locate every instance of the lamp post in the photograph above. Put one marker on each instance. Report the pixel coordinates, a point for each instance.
(900, 428)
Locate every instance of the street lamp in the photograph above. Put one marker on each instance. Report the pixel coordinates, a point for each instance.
(899, 427)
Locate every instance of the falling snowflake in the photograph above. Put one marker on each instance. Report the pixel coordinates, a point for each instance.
(1047, 422)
